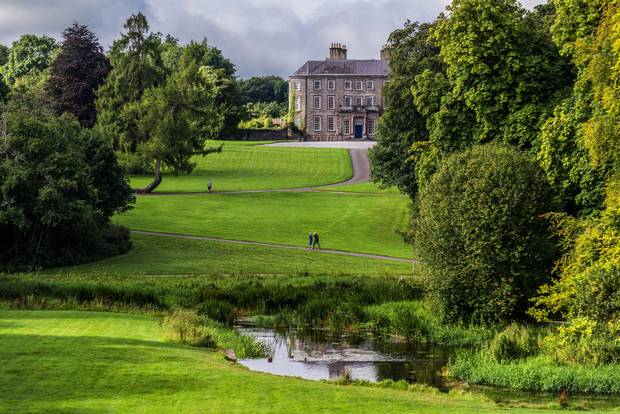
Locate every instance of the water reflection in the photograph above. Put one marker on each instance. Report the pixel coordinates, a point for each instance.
(319, 355)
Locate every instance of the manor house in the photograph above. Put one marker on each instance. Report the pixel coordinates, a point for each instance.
(337, 98)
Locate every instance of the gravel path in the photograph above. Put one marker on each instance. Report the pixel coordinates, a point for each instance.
(278, 246)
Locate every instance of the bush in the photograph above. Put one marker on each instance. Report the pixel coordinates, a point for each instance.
(514, 342)
(480, 234)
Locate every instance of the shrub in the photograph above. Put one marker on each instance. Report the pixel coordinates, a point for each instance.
(480, 234)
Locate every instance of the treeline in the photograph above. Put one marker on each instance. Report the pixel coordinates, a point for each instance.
(74, 120)
(503, 128)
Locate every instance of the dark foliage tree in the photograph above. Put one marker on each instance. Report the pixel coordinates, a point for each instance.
(4, 54)
(481, 235)
(265, 89)
(402, 124)
(76, 73)
(59, 186)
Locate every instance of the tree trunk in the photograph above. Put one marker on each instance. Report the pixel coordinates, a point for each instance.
(156, 180)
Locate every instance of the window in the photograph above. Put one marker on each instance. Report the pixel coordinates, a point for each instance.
(358, 85)
(347, 85)
(346, 126)
(317, 123)
(298, 103)
(316, 102)
(370, 101)
(371, 126)
(297, 86)
(358, 100)
(331, 102)
(331, 125)
(317, 85)
(347, 101)
(331, 85)
(370, 85)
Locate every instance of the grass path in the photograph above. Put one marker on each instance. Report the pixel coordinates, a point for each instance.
(347, 222)
(181, 256)
(65, 362)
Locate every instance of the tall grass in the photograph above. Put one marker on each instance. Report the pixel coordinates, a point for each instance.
(537, 373)
(190, 328)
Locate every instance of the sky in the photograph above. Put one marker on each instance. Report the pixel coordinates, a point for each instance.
(261, 37)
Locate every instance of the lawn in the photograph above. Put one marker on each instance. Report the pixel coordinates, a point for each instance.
(250, 166)
(366, 188)
(156, 256)
(61, 361)
(351, 222)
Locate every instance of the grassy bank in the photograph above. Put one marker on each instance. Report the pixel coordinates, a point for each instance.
(537, 373)
(244, 165)
(357, 223)
(106, 362)
(169, 256)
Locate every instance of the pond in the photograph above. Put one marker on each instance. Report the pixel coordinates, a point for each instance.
(320, 355)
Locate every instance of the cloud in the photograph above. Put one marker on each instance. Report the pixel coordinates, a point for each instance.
(259, 36)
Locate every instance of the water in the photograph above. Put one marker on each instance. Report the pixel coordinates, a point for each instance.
(320, 355)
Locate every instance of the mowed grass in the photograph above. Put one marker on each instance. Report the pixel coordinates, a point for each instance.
(366, 188)
(154, 255)
(62, 361)
(254, 166)
(355, 222)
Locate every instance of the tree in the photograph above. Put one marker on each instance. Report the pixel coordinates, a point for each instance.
(229, 100)
(176, 118)
(4, 55)
(480, 234)
(78, 70)
(265, 89)
(136, 66)
(29, 55)
(502, 64)
(403, 124)
(59, 186)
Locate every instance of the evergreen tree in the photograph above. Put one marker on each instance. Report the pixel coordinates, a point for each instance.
(76, 73)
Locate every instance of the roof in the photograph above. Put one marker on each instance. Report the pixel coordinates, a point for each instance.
(344, 67)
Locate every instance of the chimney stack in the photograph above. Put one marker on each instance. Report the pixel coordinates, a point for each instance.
(385, 52)
(338, 51)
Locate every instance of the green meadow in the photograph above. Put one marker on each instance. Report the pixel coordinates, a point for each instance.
(153, 255)
(70, 362)
(253, 166)
(350, 222)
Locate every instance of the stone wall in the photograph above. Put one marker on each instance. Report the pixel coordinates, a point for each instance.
(266, 134)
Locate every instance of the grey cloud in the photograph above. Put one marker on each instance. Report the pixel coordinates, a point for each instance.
(259, 36)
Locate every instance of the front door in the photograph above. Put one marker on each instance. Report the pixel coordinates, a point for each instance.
(359, 128)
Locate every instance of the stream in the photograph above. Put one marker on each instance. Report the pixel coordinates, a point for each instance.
(320, 355)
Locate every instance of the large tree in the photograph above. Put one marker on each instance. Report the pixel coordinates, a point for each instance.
(176, 118)
(59, 186)
(402, 124)
(4, 54)
(30, 55)
(265, 89)
(76, 73)
(136, 66)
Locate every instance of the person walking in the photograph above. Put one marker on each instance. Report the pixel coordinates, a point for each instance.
(316, 243)
(310, 239)
(209, 185)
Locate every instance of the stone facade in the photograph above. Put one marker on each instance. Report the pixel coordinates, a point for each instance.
(338, 98)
